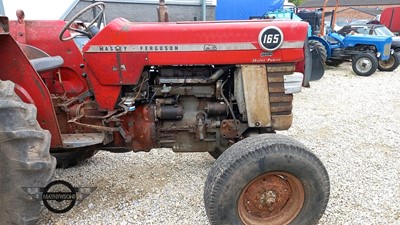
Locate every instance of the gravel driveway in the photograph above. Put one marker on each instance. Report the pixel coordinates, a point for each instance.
(352, 123)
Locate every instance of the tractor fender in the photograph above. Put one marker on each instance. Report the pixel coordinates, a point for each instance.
(324, 43)
(29, 86)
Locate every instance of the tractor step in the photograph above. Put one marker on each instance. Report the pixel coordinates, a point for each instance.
(81, 140)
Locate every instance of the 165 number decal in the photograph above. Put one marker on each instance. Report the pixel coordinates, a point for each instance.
(270, 38)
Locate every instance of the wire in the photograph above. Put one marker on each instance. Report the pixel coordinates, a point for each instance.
(227, 103)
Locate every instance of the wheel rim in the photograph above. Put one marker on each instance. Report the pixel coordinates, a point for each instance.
(273, 198)
(364, 65)
(386, 64)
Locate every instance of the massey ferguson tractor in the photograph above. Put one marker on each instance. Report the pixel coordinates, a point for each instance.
(217, 87)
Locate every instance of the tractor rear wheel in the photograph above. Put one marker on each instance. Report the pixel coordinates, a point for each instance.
(25, 161)
(364, 64)
(389, 65)
(266, 179)
(314, 44)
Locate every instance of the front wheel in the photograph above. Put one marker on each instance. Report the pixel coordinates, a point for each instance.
(364, 64)
(266, 179)
(389, 65)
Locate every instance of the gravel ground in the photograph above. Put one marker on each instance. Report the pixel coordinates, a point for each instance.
(352, 123)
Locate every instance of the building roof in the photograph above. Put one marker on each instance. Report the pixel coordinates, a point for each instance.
(369, 11)
(332, 3)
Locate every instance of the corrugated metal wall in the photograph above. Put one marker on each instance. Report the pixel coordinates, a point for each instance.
(144, 12)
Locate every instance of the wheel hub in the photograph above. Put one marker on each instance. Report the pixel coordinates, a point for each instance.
(268, 198)
(272, 198)
(364, 64)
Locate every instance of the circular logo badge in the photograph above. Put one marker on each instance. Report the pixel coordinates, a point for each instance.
(270, 38)
(59, 196)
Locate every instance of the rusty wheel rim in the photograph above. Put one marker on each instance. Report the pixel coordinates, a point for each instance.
(273, 198)
(386, 64)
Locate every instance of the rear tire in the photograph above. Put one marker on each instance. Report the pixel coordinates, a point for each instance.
(24, 158)
(265, 178)
(389, 65)
(364, 64)
(314, 44)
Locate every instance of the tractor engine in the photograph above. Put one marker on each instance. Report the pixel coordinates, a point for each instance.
(203, 108)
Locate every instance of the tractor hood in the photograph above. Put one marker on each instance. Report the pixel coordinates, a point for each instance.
(395, 42)
(352, 40)
(119, 53)
(381, 43)
(194, 43)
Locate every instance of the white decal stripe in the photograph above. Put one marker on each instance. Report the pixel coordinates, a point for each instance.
(171, 47)
(185, 47)
(292, 44)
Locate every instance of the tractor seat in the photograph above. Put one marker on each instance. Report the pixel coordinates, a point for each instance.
(47, 63)
(331, 40)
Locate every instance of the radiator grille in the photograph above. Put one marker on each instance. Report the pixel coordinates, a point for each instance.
(280, 103)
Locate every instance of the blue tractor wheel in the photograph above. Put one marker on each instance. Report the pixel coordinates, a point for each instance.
(389, 65)
(364, 64)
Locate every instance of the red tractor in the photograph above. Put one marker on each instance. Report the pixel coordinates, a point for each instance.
(217, 87)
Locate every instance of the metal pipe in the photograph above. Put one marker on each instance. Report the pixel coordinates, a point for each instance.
(215, 76)
(2, 12)
(204, 9)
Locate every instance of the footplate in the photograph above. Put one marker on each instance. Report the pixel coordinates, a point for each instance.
(81, 140)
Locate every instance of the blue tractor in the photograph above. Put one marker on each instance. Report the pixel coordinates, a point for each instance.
(366, 52)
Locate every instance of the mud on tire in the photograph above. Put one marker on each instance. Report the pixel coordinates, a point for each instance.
(292, 168)
(24, 158)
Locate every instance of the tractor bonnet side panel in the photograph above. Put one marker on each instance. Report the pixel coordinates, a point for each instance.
(118, 54)
(381, 43)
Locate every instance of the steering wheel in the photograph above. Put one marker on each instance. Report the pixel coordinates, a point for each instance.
(85, 31)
